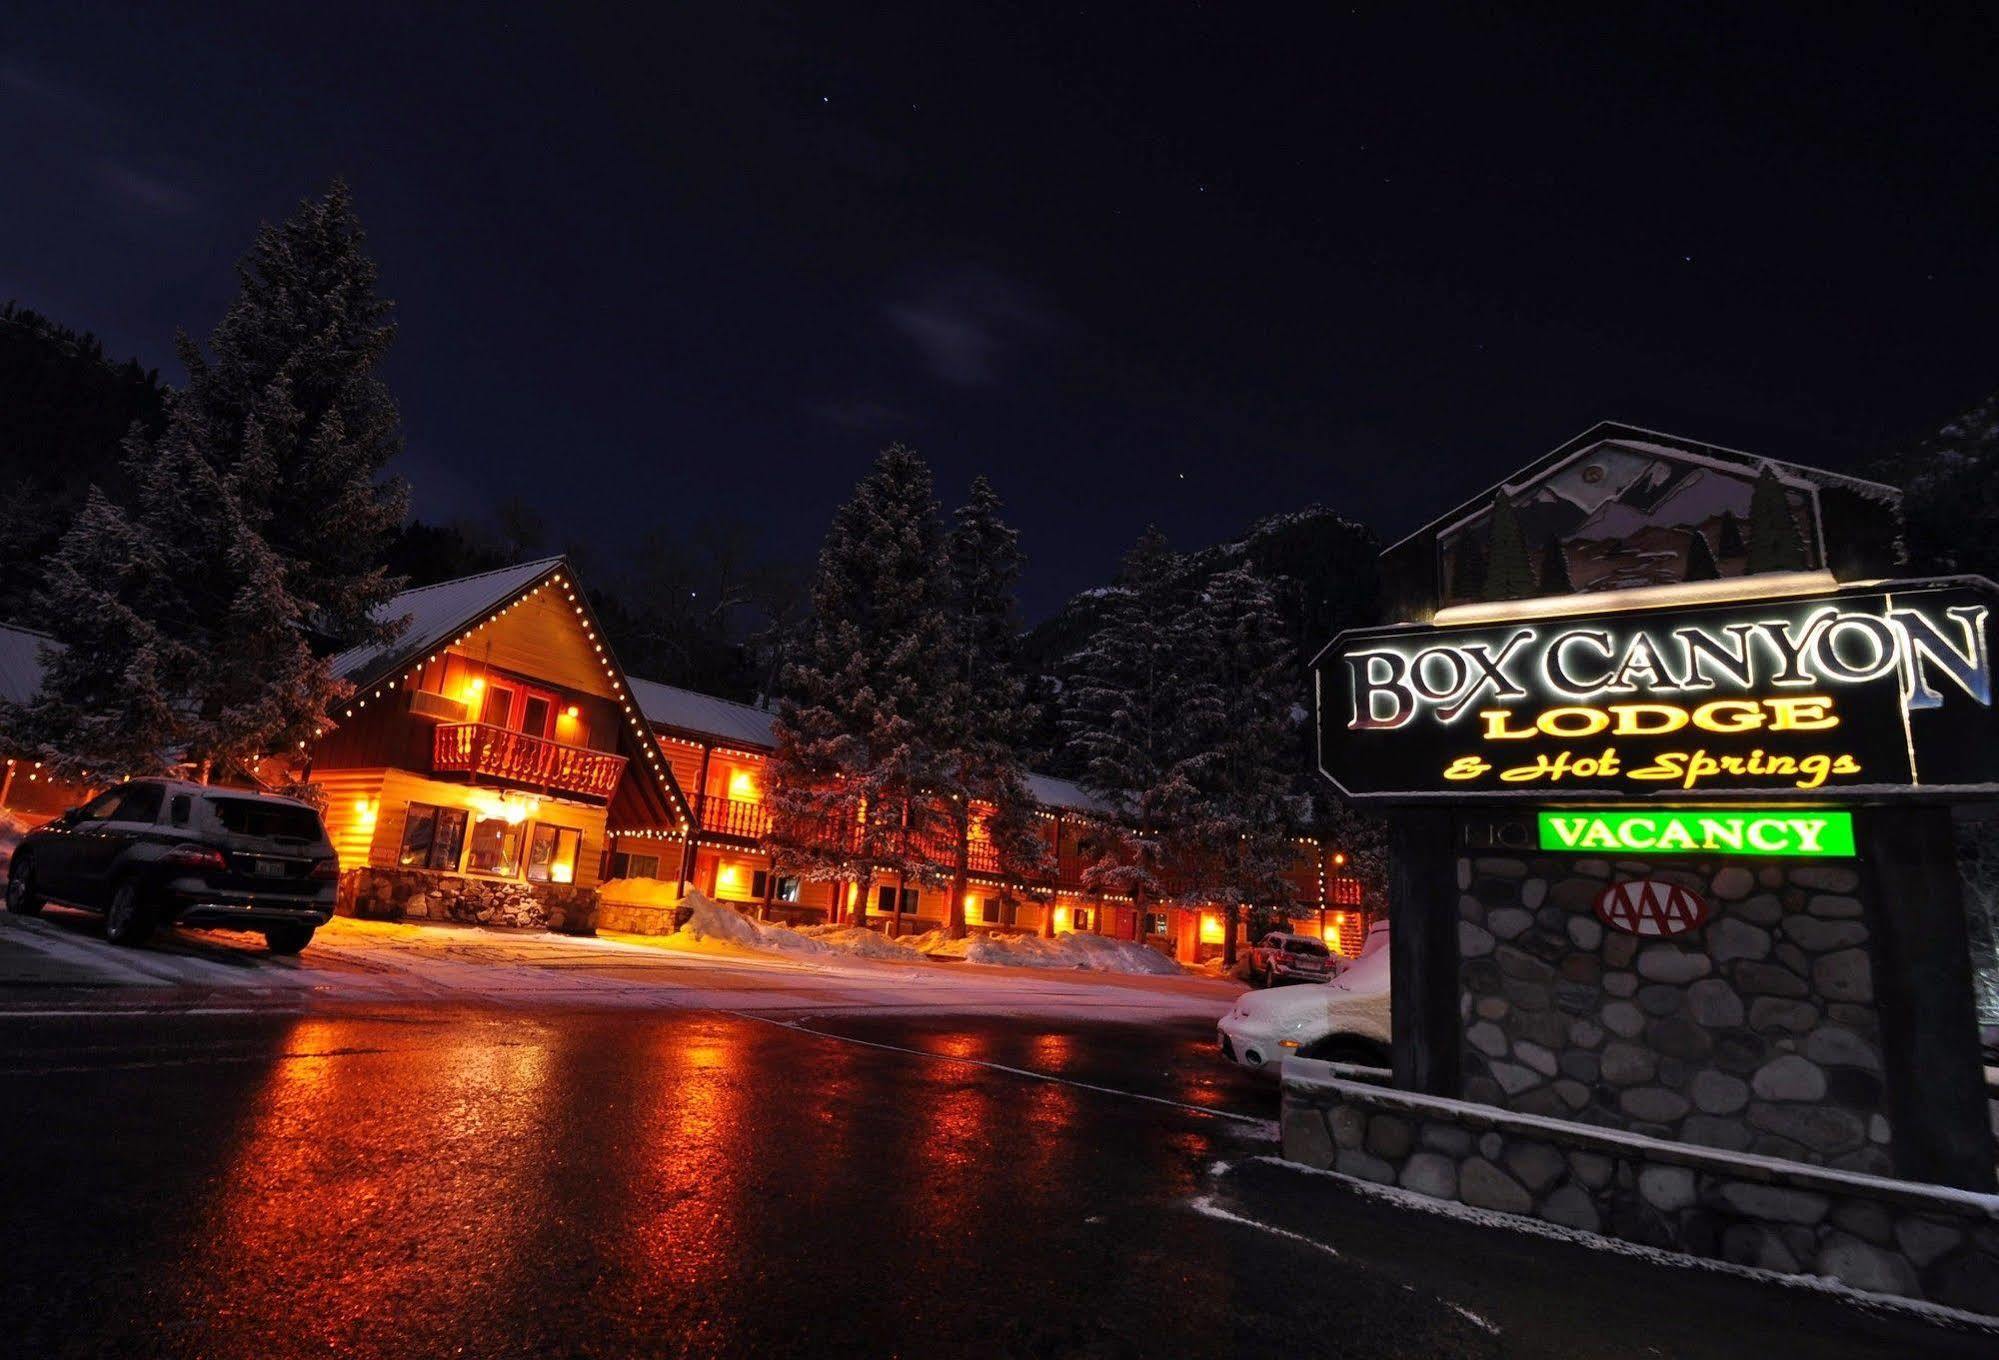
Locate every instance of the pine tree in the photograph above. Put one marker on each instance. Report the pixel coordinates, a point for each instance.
(291, 407)
(1467, 569)
(1701, 565)
(1950, 484)
(1120, 713)
(991, 717)
(1240, 704)
(1774, 541)
(1728, 539)
(1509, 570)
(862, 727)
(1555, 570)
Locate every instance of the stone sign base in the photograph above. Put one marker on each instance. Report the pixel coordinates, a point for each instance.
(1870, 1232)
(379, 894)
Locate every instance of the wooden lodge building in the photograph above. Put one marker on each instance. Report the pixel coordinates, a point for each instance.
(496, 765)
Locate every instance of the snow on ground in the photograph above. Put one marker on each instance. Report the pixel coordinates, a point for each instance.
(711, 921)
(11, 831)
(1092, 952)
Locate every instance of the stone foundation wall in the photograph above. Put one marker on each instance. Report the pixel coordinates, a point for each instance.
(1894, 1237)
(381, 894)
(1756, 1033)
(637, 918)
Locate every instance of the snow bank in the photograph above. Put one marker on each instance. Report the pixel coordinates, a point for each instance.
(709, 920)
(1092, 952)
(862, 943)
(11, 831)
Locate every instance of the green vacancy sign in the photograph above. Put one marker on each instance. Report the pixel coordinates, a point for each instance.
(1818, 834)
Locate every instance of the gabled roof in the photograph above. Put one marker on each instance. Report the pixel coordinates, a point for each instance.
(21, 662)
(1650, 441)
(725, 720)
(704, 714)
(436, 615)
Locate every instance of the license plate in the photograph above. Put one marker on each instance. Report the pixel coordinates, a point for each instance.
(270, 868)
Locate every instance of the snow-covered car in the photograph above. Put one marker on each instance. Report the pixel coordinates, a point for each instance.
(1281, 956)
(1345, 1020)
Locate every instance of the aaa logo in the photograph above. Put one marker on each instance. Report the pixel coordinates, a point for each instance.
(1649, 907)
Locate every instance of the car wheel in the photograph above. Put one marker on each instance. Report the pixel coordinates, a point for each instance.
(130, 919)
(288, 939)
(1345, 1048)
(22, 899)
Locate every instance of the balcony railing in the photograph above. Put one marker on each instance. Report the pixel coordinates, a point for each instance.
(500, 753)
(734, 817)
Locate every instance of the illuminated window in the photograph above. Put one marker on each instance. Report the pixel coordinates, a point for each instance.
(432, 837)
(496, 848)
(1080, 918)
(552, 854)
(1155, 923)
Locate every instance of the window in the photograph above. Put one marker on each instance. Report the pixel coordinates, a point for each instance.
(1079, 919)
(552, 853)
(495, 848)
(102, 808)
(142, 804)
(432, 837)
(537, 712)
(182, 809)
(1155, 923)
(780, 889)
(265, 817)
(885, 900)
(984, 910)
(634, 866)
(498, 706)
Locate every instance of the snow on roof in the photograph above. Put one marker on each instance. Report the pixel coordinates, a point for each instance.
(437, 613)
(727, 720)
(671, 706)
(1049, 791)
(21, 662)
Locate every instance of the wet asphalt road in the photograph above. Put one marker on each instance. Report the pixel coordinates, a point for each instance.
(405, 1181)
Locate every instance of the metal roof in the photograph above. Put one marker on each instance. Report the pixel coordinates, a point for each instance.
(21, 662)
(723, 719)
(437, 614)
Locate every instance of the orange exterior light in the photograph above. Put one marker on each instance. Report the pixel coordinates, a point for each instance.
(1211, 928)
(571, 711)
(1339, 857)
(743, 786)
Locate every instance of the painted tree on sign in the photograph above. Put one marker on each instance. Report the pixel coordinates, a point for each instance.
(1509, 571)
(1701, 565)
(1774, 541)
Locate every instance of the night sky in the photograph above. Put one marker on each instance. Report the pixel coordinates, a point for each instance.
(1177, 263)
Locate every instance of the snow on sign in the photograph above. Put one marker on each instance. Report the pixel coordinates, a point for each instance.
(1648, 907)
(1876, 691)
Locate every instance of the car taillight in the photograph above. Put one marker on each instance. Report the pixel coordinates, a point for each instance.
(196, 857)
(327, 869)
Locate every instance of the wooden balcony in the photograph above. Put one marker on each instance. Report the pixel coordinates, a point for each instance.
(510, 757)
(734, 817)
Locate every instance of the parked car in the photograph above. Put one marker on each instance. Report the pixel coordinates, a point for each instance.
(1281, 956)
(156, 851)
(1346, 1020)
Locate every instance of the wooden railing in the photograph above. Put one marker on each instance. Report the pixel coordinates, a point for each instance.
(734, 817)
(516, 758)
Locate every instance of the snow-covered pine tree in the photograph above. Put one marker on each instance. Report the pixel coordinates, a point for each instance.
(1774, 541)
(985, 786)
(1120, 711)
(862, 725)
(1509, 570)
(291, 407)
(1240, 704)
(1701, 565)
(1467, 569)
(1555, 570)
(1728, 539)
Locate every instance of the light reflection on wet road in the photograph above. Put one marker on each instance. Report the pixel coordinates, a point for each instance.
(410, 1182)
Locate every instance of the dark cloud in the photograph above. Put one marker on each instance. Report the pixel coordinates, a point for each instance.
(136, 189)
(965, 321)
(864, 414)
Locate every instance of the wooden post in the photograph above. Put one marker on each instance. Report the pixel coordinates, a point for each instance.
(694, 827)
(1423, 944)
(1921, 954)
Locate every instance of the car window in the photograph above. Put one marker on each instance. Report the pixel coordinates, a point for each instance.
(104, 806)
(261, 817)
(181, 809)
(142, 804)
(1306, 947)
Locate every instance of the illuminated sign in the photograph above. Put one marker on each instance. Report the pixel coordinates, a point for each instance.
(1646, 907)
(1884, 690)
(1820, 833)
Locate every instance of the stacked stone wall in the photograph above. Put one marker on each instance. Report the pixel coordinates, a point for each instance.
(1894, 1237)
(1756, 1033)
(385, 894)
